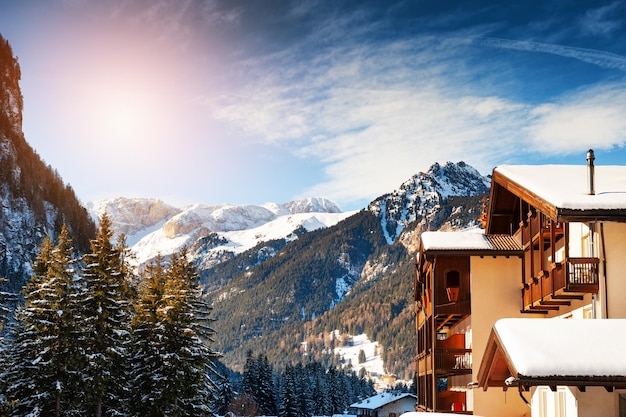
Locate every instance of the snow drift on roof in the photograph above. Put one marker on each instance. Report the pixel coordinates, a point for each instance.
(470, 240)
(565, 186)
(564, 347)
(379, 400)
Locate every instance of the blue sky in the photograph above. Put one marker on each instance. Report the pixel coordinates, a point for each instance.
(247, 102)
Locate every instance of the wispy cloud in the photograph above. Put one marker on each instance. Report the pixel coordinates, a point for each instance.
(602, 59)
(603, 20)
(397, 106)
(363, 109)
(592, 117)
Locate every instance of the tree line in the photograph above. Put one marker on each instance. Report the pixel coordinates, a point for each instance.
(301, 390)
(93, 339)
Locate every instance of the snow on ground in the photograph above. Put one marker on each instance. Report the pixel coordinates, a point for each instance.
(242, 240)
(373, 364)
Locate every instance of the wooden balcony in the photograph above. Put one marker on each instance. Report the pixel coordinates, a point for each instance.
(452, 402)
(451, 358)
(577, 275)
(563, 282)
(450, 362)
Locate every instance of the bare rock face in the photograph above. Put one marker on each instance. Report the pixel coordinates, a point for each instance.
(183, 223)
(132, 215)
(11, 101)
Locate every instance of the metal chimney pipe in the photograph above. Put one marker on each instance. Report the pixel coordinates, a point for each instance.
(590, 171)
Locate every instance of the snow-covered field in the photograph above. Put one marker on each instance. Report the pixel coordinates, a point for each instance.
(373, 364)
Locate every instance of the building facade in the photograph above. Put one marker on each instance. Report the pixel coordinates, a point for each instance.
(553, 247)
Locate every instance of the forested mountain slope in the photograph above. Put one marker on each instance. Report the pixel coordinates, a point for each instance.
(34, 201)
(354, 277)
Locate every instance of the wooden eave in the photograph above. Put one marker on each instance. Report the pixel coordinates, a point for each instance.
(500, 182)
(474, 252)
(495, 366)
(595, 215)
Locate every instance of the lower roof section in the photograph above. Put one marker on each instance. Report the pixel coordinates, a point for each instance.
(572, 352)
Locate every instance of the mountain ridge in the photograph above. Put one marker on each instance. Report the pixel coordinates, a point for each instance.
(34, 201)
(163, 229)
(291, 285)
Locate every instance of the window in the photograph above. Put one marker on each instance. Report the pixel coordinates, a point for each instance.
(453, 282)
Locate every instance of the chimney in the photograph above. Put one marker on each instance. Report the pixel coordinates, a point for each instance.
(590, 171)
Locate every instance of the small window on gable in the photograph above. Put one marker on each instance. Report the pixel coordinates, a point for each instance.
(453, 284)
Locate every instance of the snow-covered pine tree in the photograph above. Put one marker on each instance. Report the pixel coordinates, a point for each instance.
(250, 378)
(321, 403)
(105, 312)
(190, 323)
(42, 377)
(258, 381)
(338, 391)
(149, 370)
(173, 365)
(304, 391)
(6, 298)
(288, 402)
(265, 395)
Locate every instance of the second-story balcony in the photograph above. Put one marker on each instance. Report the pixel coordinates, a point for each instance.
(565, 280)
(453, 361)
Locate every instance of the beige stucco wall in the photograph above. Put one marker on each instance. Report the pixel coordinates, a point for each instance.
(596, 402)
(495, 294)
(615, 244)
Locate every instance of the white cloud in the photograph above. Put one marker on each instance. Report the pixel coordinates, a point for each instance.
(603, 20)
(590, 118)
(376, 113)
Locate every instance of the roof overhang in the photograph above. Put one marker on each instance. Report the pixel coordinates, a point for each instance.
(530, 352)
(468, 243)
(558, 191)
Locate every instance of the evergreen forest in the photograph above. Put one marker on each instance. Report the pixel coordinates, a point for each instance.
(94, 338)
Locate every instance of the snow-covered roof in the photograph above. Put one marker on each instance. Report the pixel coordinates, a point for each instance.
(563, 351)
(541, 347)
(566, 186)
(469, 240)
(380, 400)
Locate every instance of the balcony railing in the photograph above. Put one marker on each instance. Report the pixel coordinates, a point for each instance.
(582, 274)
(447, 362)
(575, 277)
(453, 361)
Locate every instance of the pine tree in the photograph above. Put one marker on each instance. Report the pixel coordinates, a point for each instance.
(250, 374)
(6, 299)
(289, 404)
(105, 311)
(265, 395)
(42, 374)
(173, 365)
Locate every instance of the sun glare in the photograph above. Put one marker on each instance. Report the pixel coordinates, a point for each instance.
(120, 120)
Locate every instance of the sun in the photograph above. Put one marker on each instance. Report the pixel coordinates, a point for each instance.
(121, 120)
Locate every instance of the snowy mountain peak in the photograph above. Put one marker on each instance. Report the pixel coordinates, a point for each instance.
(153, 227)
(420, 197)
(458, 179)
(307, 205)
(132, 215)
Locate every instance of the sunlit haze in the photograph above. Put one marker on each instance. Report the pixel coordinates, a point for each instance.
(248, 102)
